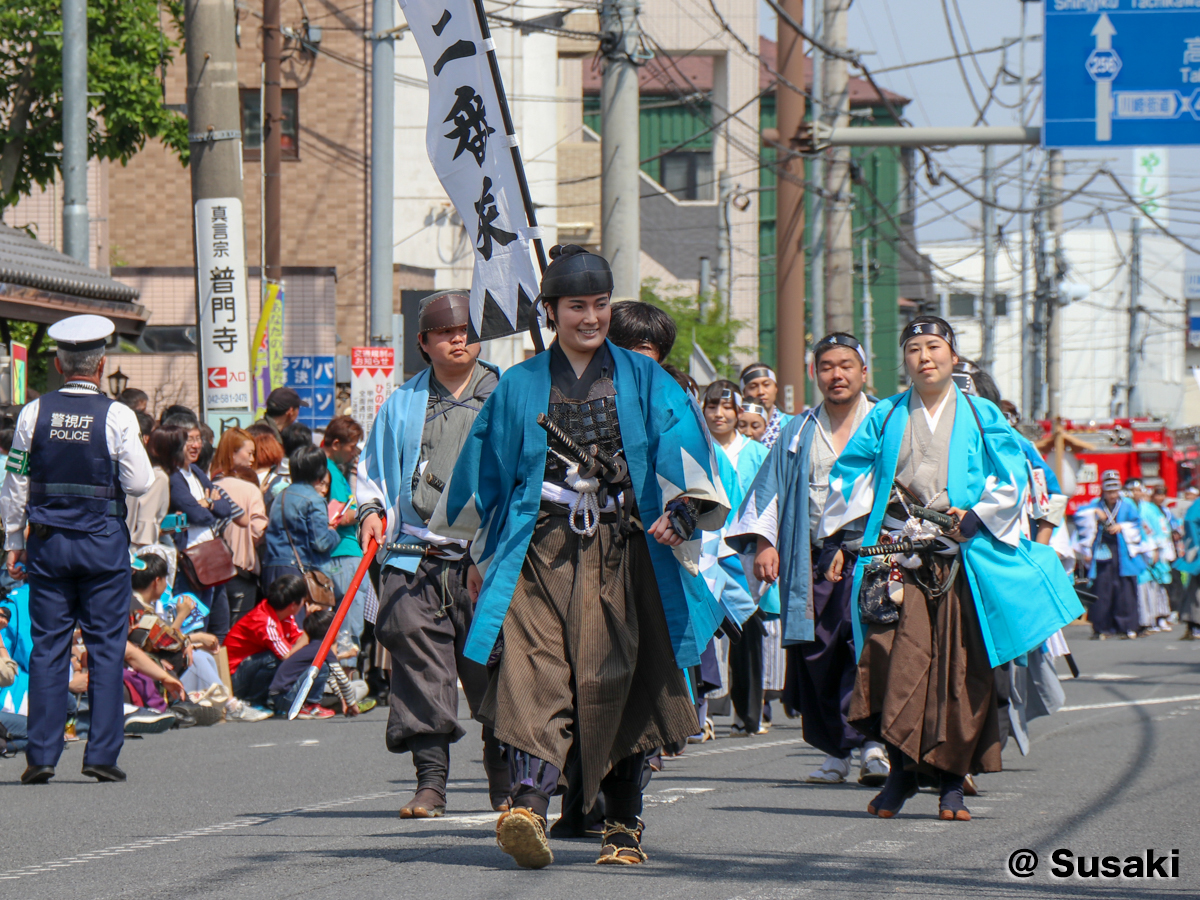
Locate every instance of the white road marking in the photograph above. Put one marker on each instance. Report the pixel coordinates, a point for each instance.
(742, 747)
(1095, 676)
(133, 846)
(880, 847)
(256, 746)
(1152, 701)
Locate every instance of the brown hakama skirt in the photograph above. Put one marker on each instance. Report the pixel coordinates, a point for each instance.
(586, 654)
(925, 684)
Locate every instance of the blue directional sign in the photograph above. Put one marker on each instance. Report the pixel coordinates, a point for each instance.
(1121, 73)
(312, 377)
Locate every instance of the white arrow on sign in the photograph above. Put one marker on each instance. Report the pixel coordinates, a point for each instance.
(1103, 32)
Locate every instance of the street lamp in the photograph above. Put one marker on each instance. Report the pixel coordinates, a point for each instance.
(117, 382)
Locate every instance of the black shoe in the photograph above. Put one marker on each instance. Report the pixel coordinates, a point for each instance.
(197, 712)
(103, 773)
(37, 774)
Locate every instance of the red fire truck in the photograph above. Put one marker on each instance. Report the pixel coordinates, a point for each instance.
(1137, 448)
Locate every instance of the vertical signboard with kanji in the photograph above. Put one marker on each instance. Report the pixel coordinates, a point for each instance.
(313, 378)
(224, 313)
(372, 381)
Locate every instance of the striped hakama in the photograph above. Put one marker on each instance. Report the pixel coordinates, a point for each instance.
(584, 655)
(924, 683)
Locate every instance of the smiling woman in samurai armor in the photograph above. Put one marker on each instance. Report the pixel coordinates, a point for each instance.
(587, 614)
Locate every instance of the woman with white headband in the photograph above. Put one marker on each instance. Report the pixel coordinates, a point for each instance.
(968, 593)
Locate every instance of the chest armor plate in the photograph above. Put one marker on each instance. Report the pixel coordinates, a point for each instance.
(592, 420)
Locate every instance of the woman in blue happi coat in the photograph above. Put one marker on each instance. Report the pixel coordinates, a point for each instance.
(938, 621)
(748, 657)
(589, 605)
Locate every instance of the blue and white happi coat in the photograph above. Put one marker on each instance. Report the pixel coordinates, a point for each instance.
(1021, 593)
(1090, 521)
(494, 495)
(776, 507)
(387, 465)
(719, 564)
(1158, 542)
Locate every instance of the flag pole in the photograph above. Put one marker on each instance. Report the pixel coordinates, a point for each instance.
(511, 132)
(310, 673)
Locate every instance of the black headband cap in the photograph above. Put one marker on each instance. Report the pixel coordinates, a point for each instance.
(937, 329)
(839, 340)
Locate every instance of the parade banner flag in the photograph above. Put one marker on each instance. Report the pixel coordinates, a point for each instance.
(266, 355)
(371, 382)
(223, 307)
(470, 142)
(19, 354)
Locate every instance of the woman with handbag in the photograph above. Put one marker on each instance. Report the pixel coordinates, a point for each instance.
(299, 540)
(205, 560)
(932, 622)
(233, 472)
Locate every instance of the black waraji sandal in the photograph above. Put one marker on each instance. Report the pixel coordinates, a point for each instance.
(622, 845)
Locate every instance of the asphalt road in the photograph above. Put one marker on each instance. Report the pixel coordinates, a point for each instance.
(308, 809)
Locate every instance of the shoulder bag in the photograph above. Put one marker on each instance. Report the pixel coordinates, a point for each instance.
(209, 563)
(320, 586)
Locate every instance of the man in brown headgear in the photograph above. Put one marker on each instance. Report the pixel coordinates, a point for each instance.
(425, 611)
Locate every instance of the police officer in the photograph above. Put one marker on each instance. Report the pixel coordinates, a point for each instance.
(75, 456)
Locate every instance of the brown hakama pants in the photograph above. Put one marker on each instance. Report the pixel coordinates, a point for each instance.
(586, 653)
(925, 684)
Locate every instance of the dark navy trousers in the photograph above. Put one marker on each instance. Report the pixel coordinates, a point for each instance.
(76, 577)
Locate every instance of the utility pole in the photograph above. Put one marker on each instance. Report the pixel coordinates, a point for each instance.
(839, 302)
(817, 224)
(868, 318)
(272, 147)
(1023, 307)
(215, 137)
(620, 184)
(1054, 310)
(383, 111)
(790, 331)
(1133, 403)
(724, 256)
(987, 355)
(76, 237)
(1041, 291)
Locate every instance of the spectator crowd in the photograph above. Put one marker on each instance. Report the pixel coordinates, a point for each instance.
(230, 550)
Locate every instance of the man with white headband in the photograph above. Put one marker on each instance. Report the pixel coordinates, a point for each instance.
(776, 533)
(1108, 536)
(760, 385)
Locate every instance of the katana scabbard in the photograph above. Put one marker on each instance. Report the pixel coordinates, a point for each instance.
(905, 546)
(587, 462)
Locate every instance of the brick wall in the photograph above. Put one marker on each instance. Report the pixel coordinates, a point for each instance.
(325, 191)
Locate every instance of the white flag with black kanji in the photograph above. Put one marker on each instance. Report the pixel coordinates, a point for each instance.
(474, 161)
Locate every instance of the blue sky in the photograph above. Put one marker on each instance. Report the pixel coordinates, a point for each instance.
(898, 34)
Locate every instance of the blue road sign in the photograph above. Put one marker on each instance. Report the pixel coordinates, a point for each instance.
(1122, 73)
(313, 378)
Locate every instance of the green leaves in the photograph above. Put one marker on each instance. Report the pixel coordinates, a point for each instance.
(127, 46)
(709, 326)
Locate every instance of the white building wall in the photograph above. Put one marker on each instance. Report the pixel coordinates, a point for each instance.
(1095, 329)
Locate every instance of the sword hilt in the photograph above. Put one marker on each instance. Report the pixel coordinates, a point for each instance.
(581, 456)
